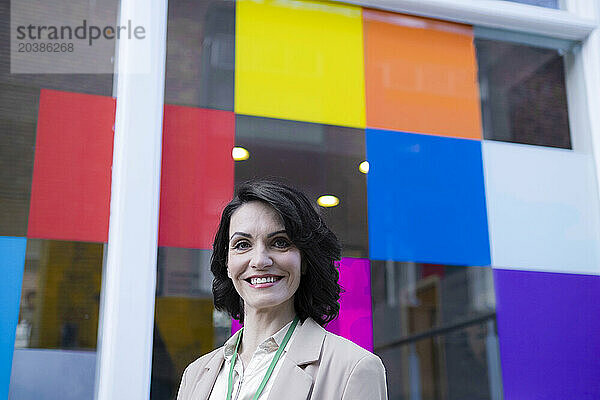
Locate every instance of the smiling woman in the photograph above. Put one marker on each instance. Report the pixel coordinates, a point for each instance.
(263, 264)
(274, 270)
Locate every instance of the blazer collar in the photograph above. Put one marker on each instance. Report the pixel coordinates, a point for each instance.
(292, 381)
(306, 346)
(208, 376)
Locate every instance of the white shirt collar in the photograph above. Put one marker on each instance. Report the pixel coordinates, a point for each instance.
(268, 345)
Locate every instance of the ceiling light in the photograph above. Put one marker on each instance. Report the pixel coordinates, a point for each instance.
(240, 154)
(364, 167)
(328, 201)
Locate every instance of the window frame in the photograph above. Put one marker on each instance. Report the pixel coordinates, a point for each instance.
(126, 324)
(561, 24)
(125, 331)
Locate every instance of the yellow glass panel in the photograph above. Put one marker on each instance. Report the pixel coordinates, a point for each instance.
(185, 325)
(300, 60)
(60, 295)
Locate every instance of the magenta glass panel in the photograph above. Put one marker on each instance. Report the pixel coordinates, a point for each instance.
(355, 321)
(235, 326)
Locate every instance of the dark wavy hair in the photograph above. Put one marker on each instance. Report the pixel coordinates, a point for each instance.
(319, 291)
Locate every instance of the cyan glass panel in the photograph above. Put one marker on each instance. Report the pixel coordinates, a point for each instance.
(426, 199)
(542, 207)
(12, 261)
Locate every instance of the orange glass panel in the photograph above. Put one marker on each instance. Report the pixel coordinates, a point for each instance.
(421, 75)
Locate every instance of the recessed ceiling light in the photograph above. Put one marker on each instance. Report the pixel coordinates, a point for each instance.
(240, 154)
(364, 167)
(328, 201)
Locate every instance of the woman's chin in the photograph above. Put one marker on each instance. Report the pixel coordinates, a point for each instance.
(268, 305)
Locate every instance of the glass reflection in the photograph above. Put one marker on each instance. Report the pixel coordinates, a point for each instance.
(57, 329)
(186, 325)
(100, 84)
(523, 96)
(60, 295)
(319, 159)
(199, 73)
(56, 335)
(454, 365)
(18, 117)
(434, 327)
(200, 53)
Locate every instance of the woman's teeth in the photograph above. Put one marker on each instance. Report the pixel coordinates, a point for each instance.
(268, 279)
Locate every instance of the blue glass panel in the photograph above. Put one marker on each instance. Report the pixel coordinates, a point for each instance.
(426, 199)
(12, 256)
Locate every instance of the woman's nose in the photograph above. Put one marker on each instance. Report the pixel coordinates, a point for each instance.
(261, 258)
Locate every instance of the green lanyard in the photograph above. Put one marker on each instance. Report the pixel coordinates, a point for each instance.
(286, 339)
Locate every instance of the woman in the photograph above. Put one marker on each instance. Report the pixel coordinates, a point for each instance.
(273, 262)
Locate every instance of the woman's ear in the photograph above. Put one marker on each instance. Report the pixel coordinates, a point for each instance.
(228, 273)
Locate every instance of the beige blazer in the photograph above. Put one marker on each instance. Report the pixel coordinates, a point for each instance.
(318, 365)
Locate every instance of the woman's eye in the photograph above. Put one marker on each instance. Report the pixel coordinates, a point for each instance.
(241, 245)
(281, 243)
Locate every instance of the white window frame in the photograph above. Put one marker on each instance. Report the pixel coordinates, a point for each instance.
(125, 332)
(560, 24)
(588, 76)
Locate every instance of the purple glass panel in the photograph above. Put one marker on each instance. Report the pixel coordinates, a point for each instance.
(355, 321)
(548, 326)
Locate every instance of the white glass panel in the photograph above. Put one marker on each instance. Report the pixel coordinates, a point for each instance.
(542, 208)
(52, 375)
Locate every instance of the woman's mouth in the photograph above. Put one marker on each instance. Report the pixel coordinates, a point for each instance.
(263, 281)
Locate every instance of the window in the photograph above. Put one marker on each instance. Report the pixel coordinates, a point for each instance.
(523, 94)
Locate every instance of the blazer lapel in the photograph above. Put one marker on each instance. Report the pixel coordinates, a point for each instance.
(292, 381)
(208, 377)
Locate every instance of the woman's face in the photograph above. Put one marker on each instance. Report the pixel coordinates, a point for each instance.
(263, 264)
